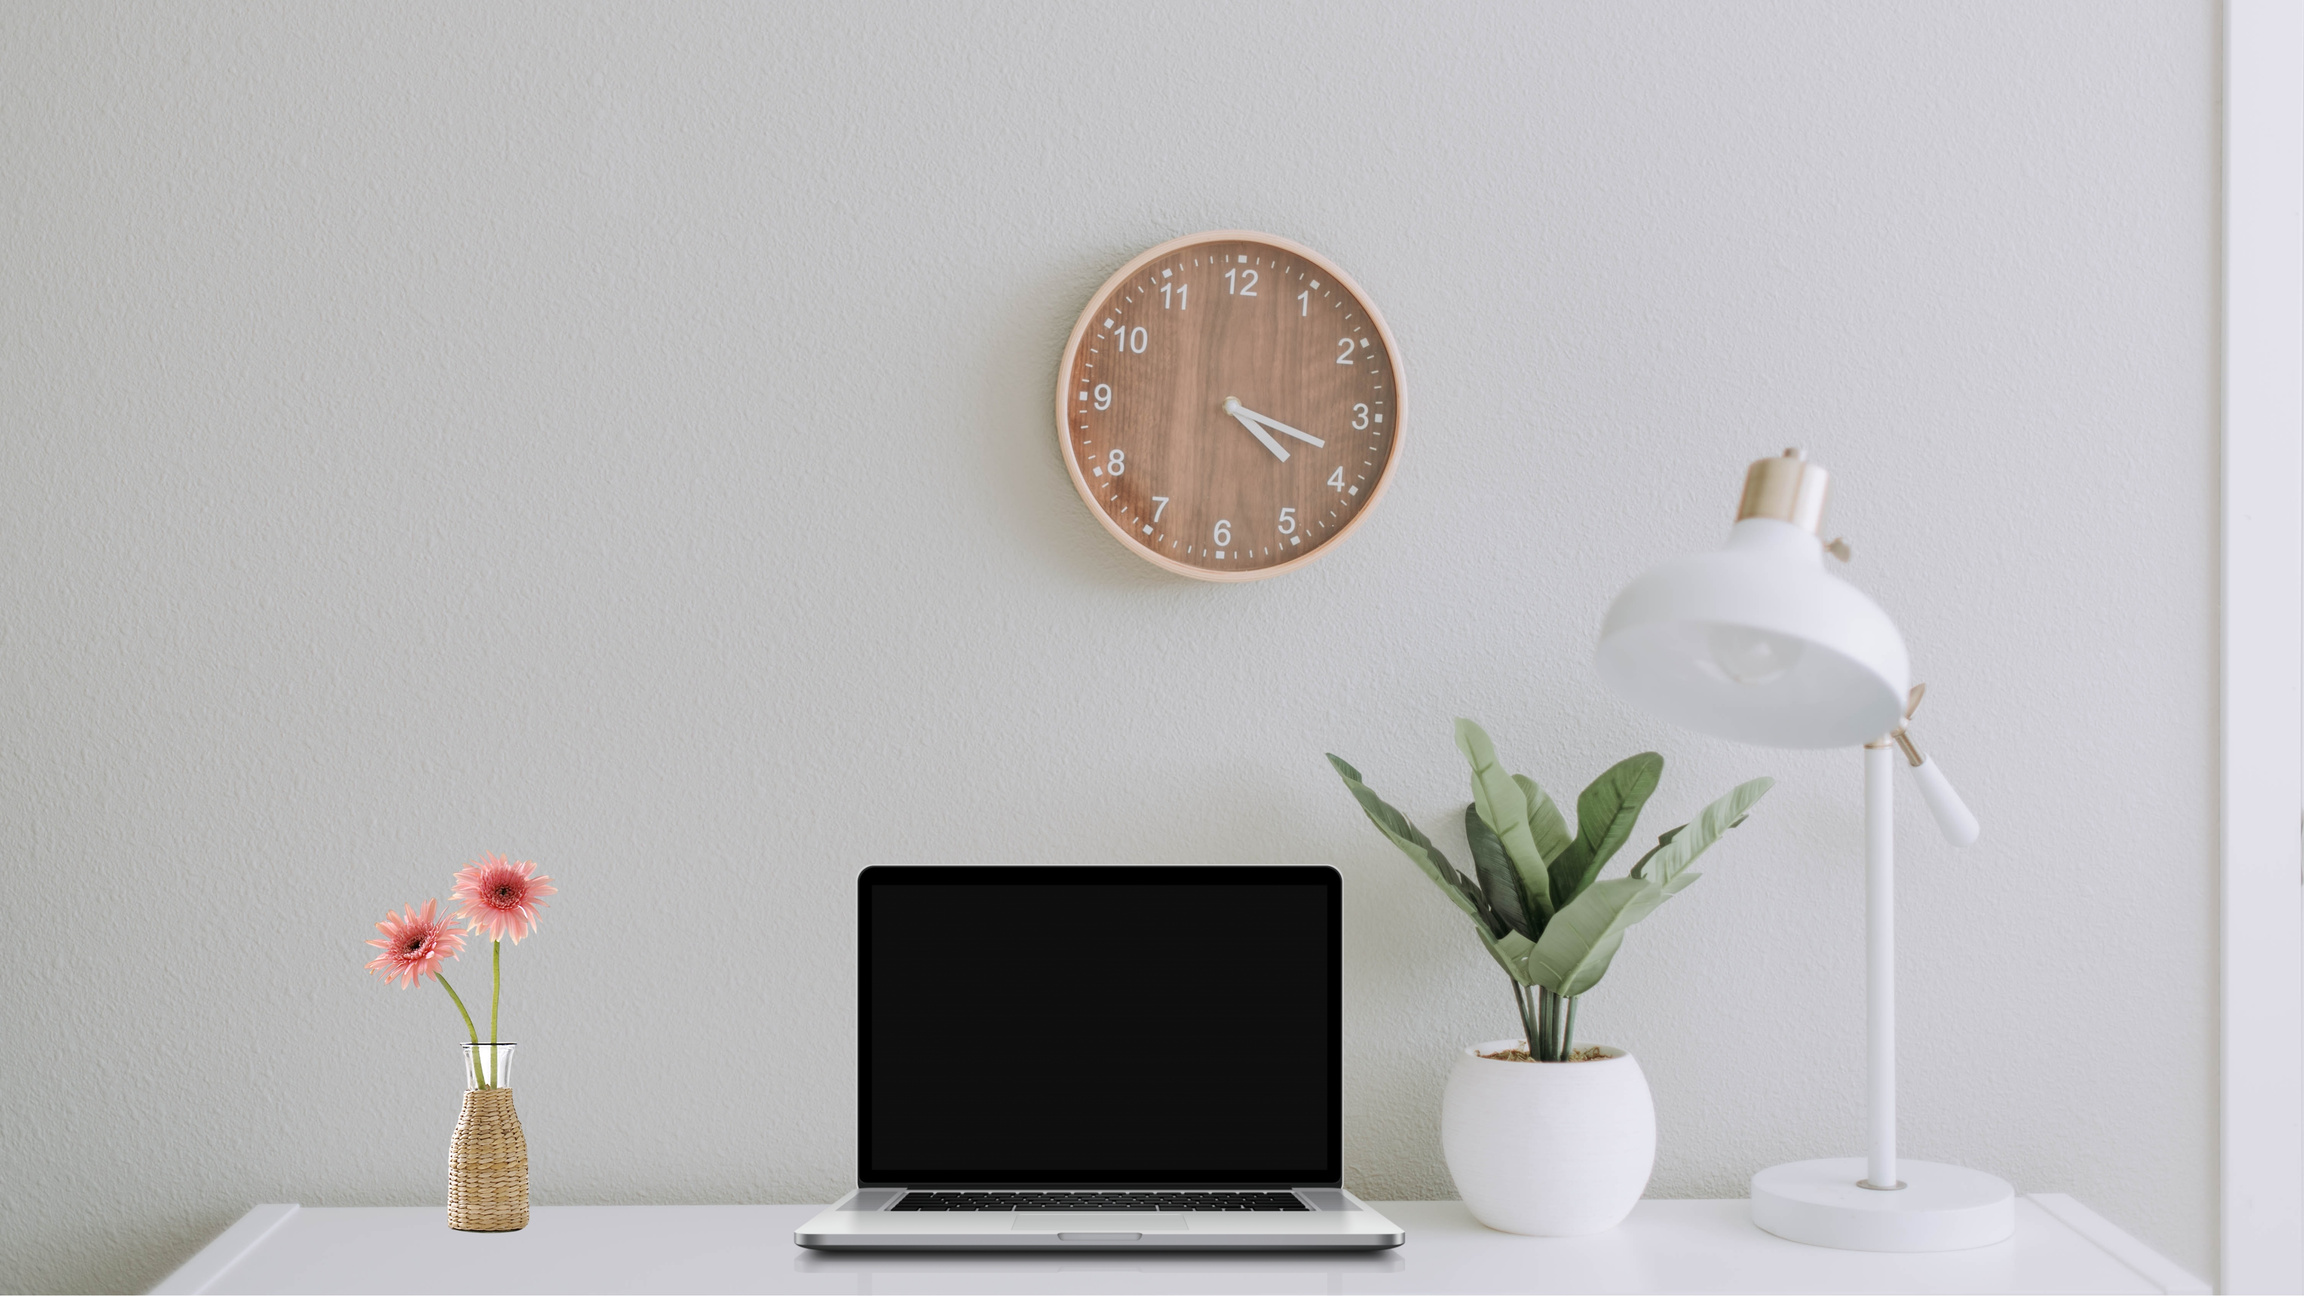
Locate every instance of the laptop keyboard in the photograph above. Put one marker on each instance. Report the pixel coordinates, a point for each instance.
(1159, 1199)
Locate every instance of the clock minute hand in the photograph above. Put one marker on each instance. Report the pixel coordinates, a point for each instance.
(1240, 414)
(1278, 426)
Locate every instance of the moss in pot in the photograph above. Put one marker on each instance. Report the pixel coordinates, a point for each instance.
(1552, 1150)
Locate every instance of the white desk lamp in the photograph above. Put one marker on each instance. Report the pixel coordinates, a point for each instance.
(1759, 643)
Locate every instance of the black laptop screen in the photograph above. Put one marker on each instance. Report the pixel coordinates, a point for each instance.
(1122, 1026)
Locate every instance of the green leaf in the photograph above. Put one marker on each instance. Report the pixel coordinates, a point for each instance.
(1498, 798)
(1680, 847)
(1604, 818)
(1584, 936)
(1420, 850)
(1550, 833)
(1545, 825)
(1498, 878)
(1511, 952)
(1661, 843)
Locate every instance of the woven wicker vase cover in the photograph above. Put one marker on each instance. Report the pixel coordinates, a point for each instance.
(488, 1166)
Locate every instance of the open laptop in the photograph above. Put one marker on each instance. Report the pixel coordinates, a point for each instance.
(1100, 1058)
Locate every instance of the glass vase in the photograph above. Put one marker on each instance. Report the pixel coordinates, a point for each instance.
(488, 1158)
(487, 1066)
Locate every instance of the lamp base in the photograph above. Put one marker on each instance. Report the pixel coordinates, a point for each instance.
(1940, 1208)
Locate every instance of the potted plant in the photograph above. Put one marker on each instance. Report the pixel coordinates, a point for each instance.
(1543, 1137)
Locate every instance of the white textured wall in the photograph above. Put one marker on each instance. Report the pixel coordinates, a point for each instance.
(618, 435)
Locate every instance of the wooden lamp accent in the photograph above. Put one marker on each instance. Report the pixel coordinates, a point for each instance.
(1229, 405)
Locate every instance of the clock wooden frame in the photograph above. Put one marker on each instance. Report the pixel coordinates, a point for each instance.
(1069, 407)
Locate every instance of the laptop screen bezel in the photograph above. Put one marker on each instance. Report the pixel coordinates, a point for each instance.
(1329, 1175)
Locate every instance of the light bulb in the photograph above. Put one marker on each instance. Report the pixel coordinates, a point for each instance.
(1741, 655)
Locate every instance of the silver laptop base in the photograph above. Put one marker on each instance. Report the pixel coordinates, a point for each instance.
(1335, 1220)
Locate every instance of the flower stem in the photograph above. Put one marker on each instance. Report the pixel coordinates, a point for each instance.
(495, 996)
(477, 1082)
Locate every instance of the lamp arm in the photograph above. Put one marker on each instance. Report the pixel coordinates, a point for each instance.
(1950, 812)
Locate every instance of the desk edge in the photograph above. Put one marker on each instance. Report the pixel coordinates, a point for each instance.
(2118, 1243)
(250, 1231)
(247, 1233)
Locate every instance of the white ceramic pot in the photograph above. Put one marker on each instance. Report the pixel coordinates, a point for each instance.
(1551, 1149)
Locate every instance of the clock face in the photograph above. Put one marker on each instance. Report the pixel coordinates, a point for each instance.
(1230, 405)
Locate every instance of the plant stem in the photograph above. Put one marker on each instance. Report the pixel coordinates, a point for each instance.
(495, 996)
(1544, 1006)
(1527, 1020)
(1568, 1034)
(473, 1030)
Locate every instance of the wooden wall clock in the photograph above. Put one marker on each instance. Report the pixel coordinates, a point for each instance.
(1229, 405)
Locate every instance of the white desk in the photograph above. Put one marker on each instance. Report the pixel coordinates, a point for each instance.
(1667, 1246)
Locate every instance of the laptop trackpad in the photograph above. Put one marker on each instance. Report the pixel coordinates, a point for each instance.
(1099, 1222)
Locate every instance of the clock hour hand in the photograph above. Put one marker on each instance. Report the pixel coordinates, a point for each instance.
(1278, 426)
(1239, 412)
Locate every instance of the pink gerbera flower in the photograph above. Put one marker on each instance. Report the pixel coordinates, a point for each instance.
(501, 898)
(414, 944)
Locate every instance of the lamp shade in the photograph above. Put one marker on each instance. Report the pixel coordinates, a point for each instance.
(1758, 643)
